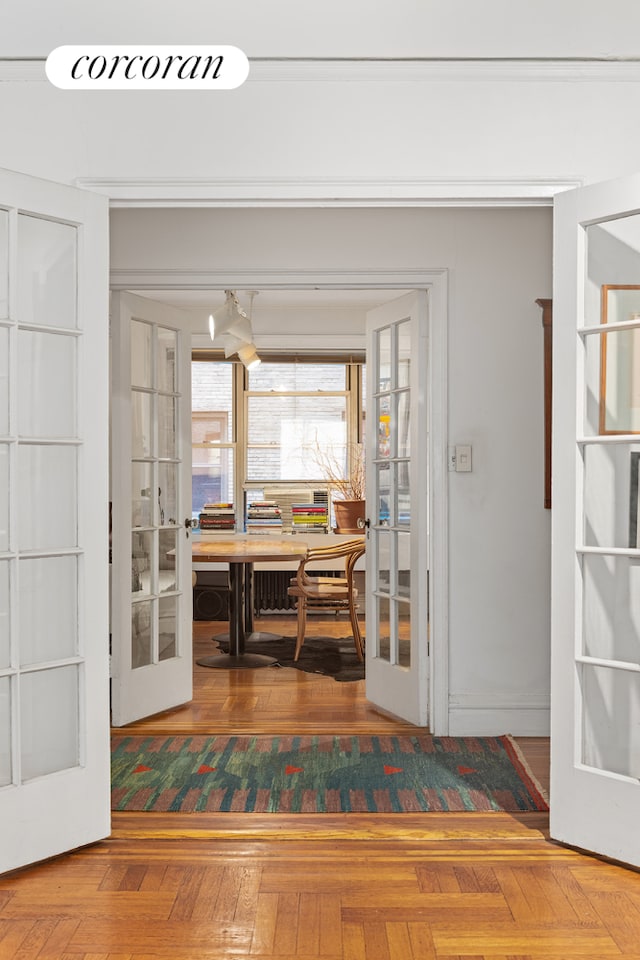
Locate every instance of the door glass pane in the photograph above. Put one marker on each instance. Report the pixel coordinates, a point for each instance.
(168, 540)
(403, 495)
(384, 359)
(403, 612)
(141, 431)
(49, 710)
(167, 356)
(46, 385)
(383, 471)
(46, 273)
(5, 621)
(611, 606)
(383, 404)
(141, 562)
(49, 626)
(168, 493)
(141, 499)
(403, 543)
(4, 264)
(612, 260)
(4, 382)
(167, 433)
(404, 353)
(620, 380)
(612, 520)
(611, 720)
(384, 636)
(47, 497)
(6, 772)
(384, 554)
(404, 424)
(141, 634)
(167, 626)
(4, 496)
(140, 354)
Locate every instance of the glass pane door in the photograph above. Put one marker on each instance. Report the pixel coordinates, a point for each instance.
(596, 562)
(152, 648)
(54, 761)
(398, 503)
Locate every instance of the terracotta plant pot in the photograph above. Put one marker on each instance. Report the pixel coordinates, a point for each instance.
(347, 514)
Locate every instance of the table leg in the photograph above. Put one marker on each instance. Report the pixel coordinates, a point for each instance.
(250, 634)
(237, 658)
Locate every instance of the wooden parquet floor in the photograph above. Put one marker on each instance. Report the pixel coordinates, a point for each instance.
(429, 887)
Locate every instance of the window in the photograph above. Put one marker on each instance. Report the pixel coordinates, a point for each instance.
(212, 433)
(292, 411)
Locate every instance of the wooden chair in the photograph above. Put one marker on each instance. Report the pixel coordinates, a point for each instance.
(328, 592)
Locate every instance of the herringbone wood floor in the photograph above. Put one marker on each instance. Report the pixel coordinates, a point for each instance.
(446, 886)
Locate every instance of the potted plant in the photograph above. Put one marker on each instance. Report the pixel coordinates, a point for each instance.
(348, 492)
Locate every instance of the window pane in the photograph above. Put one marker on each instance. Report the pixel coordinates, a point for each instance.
(4, 382)
(47, 497)
(4, 496)
(212, 395)
(50, 713)
(53, 581)
(167, 355)
(5, 622)
(304, 377)
(5, 731)
(140, 634)
(46, 272)
(212, 476)
(287, 436)
(4, 264)
(46, 385)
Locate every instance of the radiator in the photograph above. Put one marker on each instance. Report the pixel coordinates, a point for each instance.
(270, 589)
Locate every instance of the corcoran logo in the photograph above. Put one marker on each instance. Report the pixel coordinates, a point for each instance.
(147, 67)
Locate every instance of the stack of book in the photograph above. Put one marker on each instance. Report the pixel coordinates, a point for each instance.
(309, 516)
(218, 516)
(264, 516)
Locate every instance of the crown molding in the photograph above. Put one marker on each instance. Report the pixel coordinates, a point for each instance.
(275, 279)
(376, 70)
(327, 192)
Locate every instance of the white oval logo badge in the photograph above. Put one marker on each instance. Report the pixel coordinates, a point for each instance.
(146, 67)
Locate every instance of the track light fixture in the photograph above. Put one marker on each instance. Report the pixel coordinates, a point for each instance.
(231, 321)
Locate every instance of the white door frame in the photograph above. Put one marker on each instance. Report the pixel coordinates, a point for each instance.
(436, 281)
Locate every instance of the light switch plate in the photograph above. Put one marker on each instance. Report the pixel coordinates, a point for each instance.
(463, 458)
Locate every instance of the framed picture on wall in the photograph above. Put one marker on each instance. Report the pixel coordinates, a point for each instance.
(620, 361)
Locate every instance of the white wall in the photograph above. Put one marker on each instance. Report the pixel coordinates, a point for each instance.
(500, 263)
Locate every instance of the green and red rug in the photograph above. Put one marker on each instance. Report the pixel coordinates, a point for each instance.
(321, 774)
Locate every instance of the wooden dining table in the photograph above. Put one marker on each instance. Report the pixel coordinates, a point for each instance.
(241, 553)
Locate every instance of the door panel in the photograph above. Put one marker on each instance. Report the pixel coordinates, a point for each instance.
(595, 789)
(397, 499)
(54, 706)
(151, 493)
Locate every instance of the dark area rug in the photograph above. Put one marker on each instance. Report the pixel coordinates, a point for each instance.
(333, 656)
(321, 774)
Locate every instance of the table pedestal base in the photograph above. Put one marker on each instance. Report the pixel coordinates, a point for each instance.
(243, 661)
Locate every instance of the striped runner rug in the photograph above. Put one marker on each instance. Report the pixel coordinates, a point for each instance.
(321, 774)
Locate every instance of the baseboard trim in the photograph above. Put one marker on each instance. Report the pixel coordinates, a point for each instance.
(520, 720)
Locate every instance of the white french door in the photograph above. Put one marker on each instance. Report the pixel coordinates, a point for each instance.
(595, 697)
(54, 706)
(151, 609)
(397, 612)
